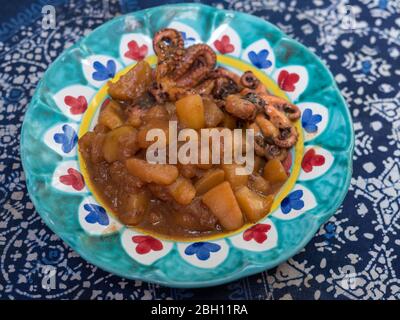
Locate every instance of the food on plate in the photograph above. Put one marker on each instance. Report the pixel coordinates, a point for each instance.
(180, 199)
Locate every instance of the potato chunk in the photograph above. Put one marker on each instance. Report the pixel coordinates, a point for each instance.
(96, 154)
(212, 114)
(187, 170)
(135, 207)
(190, 111)
(252, 204)
(182, 190)
(91, 146)
(235, 180)
(210, 179)
(274, 171)
(120, 143)
(259, 184)
(85, 144)
(134, 115)
(158, 173)
(133, 84)
(111, 115)
(259, 164)
(222, 203)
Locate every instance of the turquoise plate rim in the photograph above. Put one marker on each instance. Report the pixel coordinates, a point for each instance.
(248, 269)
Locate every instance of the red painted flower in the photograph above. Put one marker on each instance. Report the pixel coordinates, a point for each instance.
(287, 81)
(135, 52)
(312, 159)
(146, 244)
(77, 105)
(73, 179)
(287, 163)
(257, 232)
(224, 45)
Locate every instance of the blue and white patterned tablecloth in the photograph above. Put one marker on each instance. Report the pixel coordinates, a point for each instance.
(353, 256)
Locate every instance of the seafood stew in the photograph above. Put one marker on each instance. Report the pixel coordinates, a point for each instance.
(187, 199)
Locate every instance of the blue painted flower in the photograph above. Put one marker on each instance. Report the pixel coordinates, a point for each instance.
(187, 40)
(292, 201)
(330, 229)
(202, 249)
(260, 59)
(366, 66)
(104, 72)
(309, 120)
(67, 139)
(382, 4)
(97, 214)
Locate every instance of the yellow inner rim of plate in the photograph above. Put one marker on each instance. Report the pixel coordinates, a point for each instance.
(237, 64)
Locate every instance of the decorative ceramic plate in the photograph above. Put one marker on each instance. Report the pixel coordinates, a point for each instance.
(65, 106)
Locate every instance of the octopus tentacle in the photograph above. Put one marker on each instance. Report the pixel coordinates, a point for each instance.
(249, 80)
(240, 108)
(264, 146)
(260, 89)
(287, 137)
(267, 127)
(256, 100)
(158, 93)
(206, 87)
(226, 83)
(291, 110)
(277, 117)
(287, 132)
(195, 65)
(168, 45)
(224, 73)
(224, 87)
(275, 152)
(167, 41)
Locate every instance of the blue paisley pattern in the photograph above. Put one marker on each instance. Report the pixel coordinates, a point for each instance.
(355, 255)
